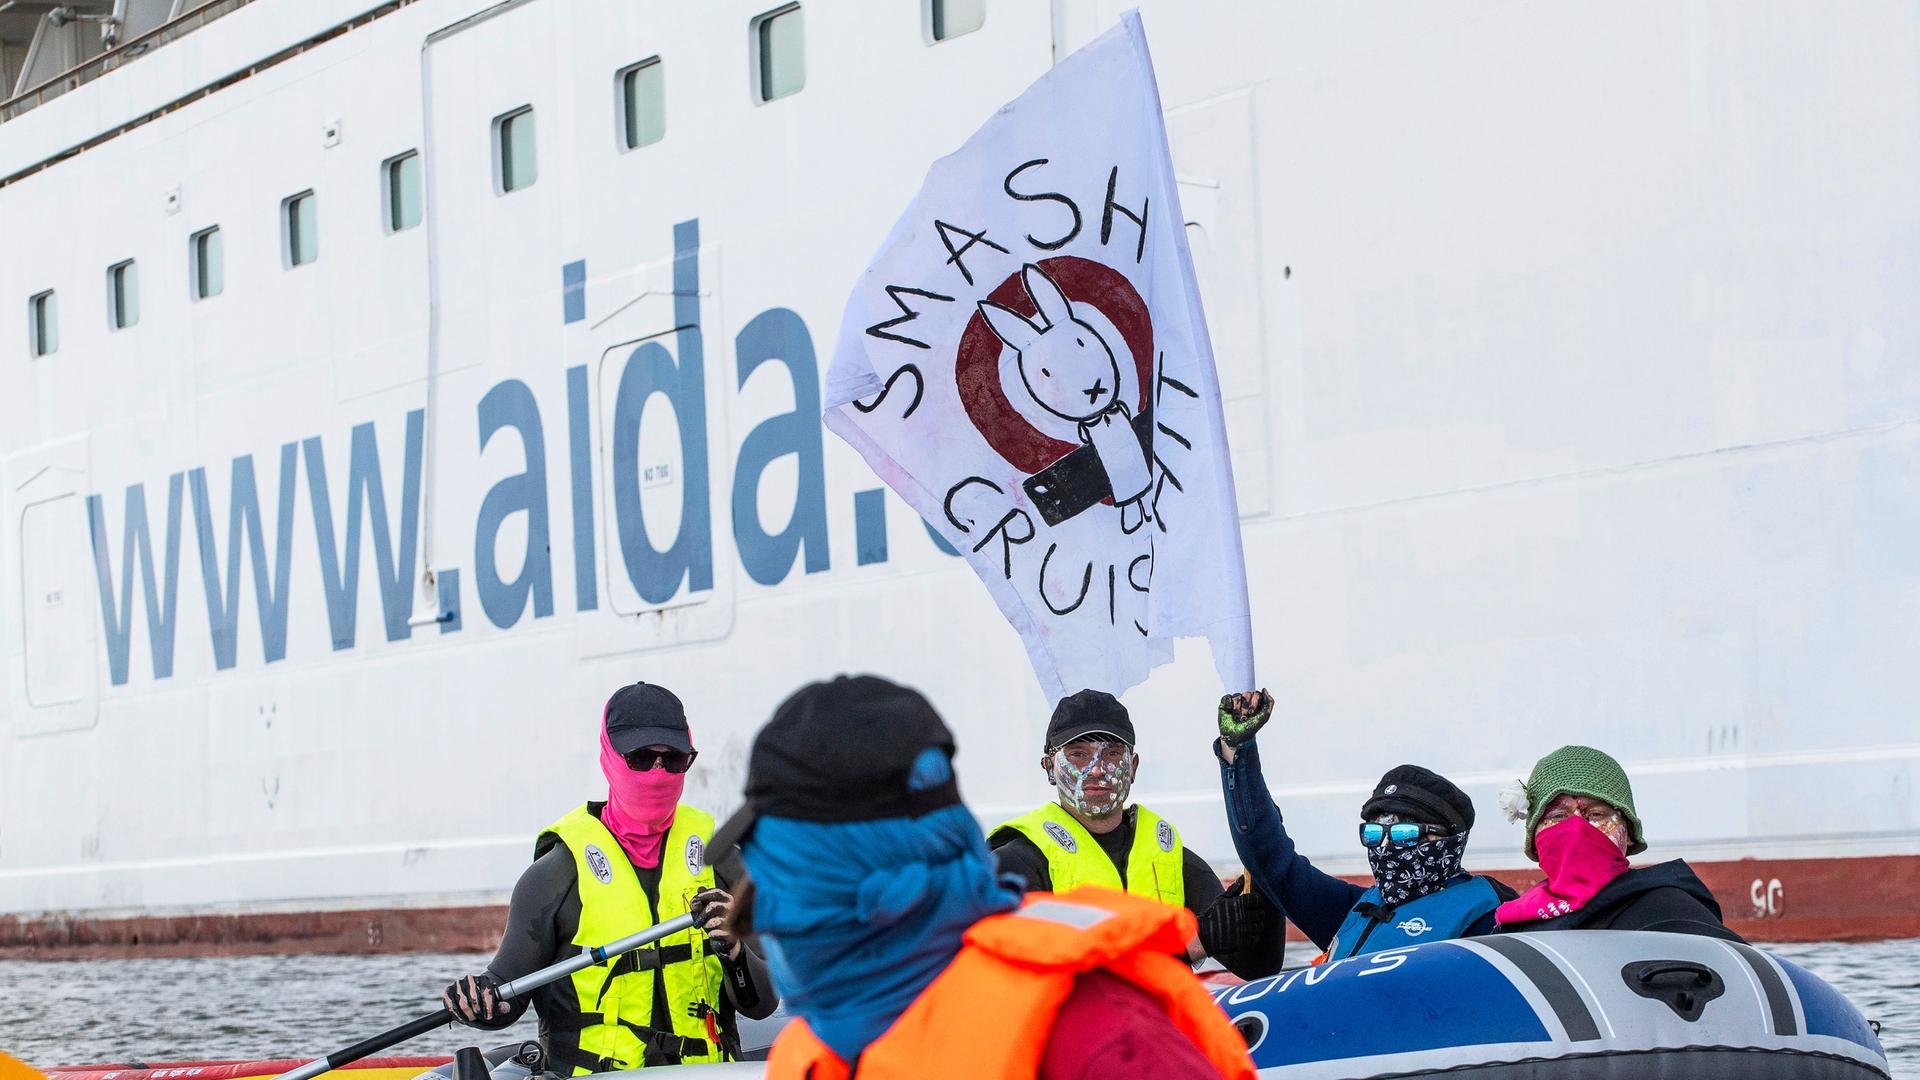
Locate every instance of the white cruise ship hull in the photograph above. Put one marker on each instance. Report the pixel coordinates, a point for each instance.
(1571, 353)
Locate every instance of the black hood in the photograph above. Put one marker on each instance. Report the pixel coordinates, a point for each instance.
(1675, 874)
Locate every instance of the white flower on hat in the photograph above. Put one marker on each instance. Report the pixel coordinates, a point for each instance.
(1514, 802)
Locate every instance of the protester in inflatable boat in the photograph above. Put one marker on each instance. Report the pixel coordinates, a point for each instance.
(1090, 836)
(1414, 829)
(610, 869)
(903, 956)
(1581, 826)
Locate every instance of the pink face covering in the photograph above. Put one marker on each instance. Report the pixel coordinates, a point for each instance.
(1579, 860)
(640, 805)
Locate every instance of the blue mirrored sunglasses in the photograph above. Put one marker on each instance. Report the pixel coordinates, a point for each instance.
(1401, 833)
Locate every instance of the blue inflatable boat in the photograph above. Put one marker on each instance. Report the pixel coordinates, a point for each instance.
(1571, 1005)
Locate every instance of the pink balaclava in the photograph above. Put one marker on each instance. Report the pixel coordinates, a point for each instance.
(1579, 859)
(640, 805)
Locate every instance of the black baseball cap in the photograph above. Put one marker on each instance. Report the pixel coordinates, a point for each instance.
(646, 715)
(1089, 712)
(1421, 795)
(843, 750)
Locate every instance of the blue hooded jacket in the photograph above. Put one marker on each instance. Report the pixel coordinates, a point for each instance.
(1317, 902)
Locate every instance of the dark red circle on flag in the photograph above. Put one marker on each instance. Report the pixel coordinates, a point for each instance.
(977, 366)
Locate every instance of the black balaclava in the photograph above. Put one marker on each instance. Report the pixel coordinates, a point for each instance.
(1409, 873)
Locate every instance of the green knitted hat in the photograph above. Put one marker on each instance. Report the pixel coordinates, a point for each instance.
(1580, 770)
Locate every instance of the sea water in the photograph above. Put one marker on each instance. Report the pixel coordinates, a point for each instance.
(68, 1012)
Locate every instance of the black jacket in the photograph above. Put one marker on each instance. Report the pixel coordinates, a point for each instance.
(1668, 896)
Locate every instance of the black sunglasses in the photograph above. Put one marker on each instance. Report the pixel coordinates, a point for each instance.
(676, 761)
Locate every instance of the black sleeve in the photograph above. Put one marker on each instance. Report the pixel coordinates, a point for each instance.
(1486, 924)
(749, 987)
(531, 940)
(1015, 854)
(1501, 889)
(1674, 911)
(1197, 879)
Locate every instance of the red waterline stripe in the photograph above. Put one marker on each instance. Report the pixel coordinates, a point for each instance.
(1839, 899)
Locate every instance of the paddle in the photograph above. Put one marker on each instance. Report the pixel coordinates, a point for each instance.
(506, 992)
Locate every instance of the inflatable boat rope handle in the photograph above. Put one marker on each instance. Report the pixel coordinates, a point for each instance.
(507, 991)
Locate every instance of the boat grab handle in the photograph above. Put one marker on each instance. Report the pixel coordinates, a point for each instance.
(1682, 985)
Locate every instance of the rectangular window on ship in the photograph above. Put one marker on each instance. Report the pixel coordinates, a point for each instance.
(209, 264)
(643, 103)
(300, 218)
(948, 19)
(43, 323)
(514, 161)
(403, 190)
(780, 43)
(123, 295)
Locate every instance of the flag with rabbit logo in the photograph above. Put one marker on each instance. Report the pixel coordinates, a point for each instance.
(1026, 362)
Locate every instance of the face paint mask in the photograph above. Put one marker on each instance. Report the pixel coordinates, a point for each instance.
(1103, 767)
(1408, 873)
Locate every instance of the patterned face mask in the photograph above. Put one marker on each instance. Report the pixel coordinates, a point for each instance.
(1090, 761)
(1408, 873)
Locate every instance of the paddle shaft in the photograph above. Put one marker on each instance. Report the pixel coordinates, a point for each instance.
(506, 992)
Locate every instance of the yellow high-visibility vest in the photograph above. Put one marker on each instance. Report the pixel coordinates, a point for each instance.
(1074, 858)
(613, 905)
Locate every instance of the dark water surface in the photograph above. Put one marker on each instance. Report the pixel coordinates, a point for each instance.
(1882, 979)
(81, 1011)
(69, 1012)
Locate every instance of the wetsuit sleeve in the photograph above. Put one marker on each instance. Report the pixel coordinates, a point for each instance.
(1015, 854)
(1315, 900)
(1198, 881)
(530, 941)
(749, 986)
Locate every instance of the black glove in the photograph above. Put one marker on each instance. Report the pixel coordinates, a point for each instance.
(1243, 715)
(475, 1002)
(712, 913)
(1245, 931)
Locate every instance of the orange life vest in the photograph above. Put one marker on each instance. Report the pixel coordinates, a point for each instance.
(989, 1014)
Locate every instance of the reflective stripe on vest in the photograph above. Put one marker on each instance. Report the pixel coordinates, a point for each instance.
(1436, 916)
(613, 905)
(1075, 858)
(1017, 969)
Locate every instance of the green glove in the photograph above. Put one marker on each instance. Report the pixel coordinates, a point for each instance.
(1243, 715)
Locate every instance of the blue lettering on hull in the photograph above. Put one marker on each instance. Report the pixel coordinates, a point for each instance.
(511, 405)
(366, 496)
(243, 515)
(780, 336)
(136, 542)
(389, 512)
(650, 369)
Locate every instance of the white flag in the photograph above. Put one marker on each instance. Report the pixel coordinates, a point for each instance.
(1026, 363)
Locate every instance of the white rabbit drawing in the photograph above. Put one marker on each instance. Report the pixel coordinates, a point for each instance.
(1069, 369)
